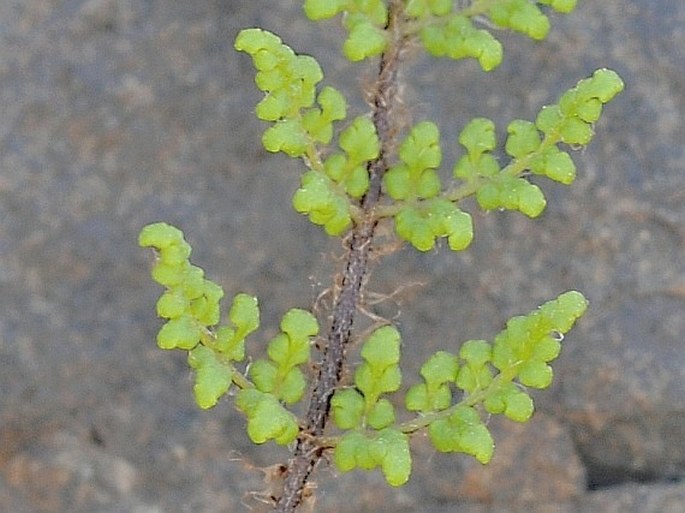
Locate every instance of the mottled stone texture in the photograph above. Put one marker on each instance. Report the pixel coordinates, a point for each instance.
(119, 113)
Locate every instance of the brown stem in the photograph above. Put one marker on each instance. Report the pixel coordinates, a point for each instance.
(307, 452)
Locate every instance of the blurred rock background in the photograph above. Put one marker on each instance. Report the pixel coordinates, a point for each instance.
(120, 113)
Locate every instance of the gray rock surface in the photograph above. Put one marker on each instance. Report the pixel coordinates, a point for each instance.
(120, 113)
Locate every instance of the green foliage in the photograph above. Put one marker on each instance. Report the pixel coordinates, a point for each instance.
(289, 81)
(462, 431)
(364, 20)
(422, 223)
(387, 448)
(301, 119)
(323, 9)
(571, 120)
(366, 39)
(423, 8)
(425, 212)
(448, 31)
(457, 391)
(378, 374)
(479, 139)
(423, 217)
(492, 375)
(318, 198)
(563, 6)
(361, 145)
(191, 305)
(363, 407)
(300, 125)
(434, 394)
(510, 400)
(213, 375)
(475, 374)
(421, 155)
(267, 419)
(281, 375)
(521, 16)
(458, 38)
(489, 376)
(533, 147)
(443, 29)
(529, 343)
